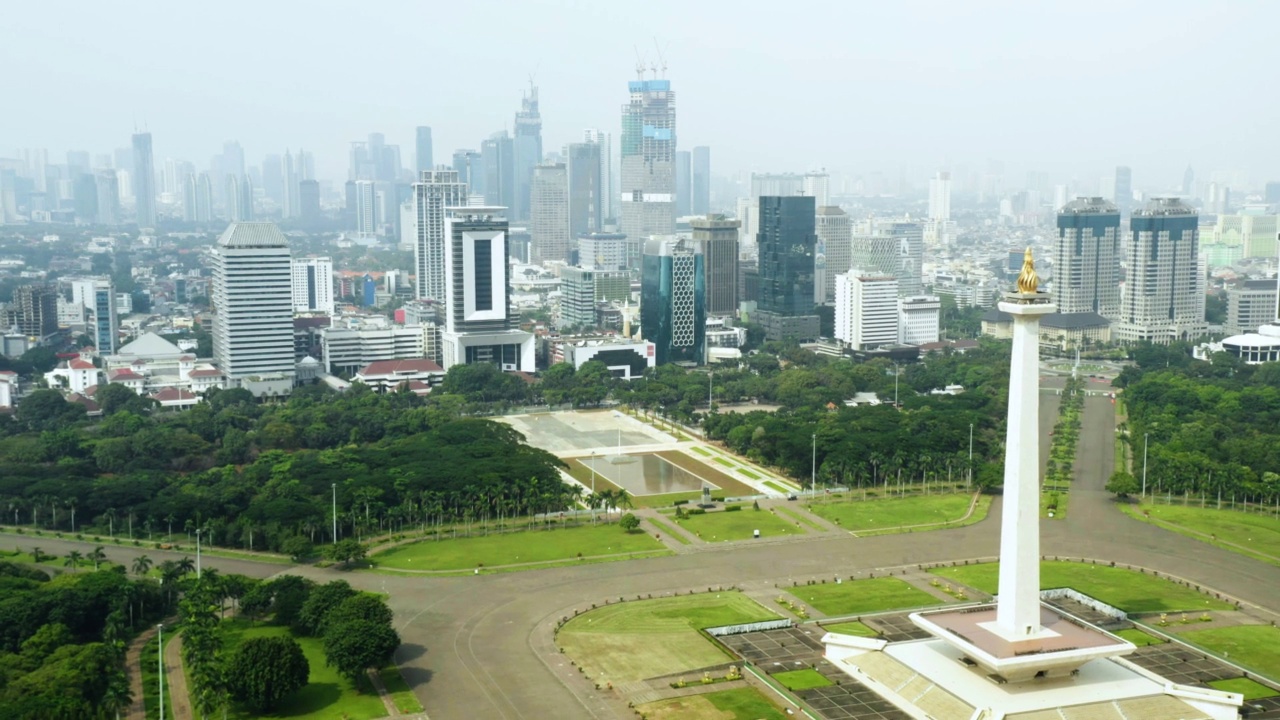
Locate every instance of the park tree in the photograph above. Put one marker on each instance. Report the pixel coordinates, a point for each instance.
(629, 523)
(322, 601)
(355, 646)
(360, 607)
(346, 551)
(1123, 484)
(265, 670)
(297, 547)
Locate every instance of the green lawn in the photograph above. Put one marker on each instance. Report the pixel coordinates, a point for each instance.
(802, 679)
(666, 530)
(775, 486)
(800, 517)
(524, 546)
(750, 474)
(863, 596)
(1138, 637)
(1251, 689)
(1254, 646)
(723, 462)
(1257, 536)
(646, 638)
(401, 695)
(741, 704)
(852, 627)
(1128, 590)
(326, 695)
(893, 513)
(701, 450)
(720, 526)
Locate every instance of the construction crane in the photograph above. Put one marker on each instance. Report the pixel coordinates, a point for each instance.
(662, 61)
(640, 66)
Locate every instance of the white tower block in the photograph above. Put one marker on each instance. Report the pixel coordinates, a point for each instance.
(1018, 609)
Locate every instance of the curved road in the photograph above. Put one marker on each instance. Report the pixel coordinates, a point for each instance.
(475, 646)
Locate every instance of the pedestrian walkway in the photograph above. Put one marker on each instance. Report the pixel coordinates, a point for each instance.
(133, 670)
(177, 701)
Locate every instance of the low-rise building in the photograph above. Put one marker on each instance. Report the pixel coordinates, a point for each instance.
(418, 375)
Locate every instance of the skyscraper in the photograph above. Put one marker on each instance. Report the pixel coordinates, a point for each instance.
(496, 158)
(1124, 189)
(648, 163)
(940, 196)
(466, 163)
(1086, 263)
(108, 198)
(718, 240)
(866, 309)
(817, 185)
(608, 181)
(908, 236)
(1189, 182)
(99, 296)
(549, 214)
(436, 190)
(239, 198)
(1164, 286)
(684, 183)
(527, 147)
(583, 164)
(33, 310)
(144, 179)
(312, 284)
(422, 150)
(787, 247)
(673, 300)
(197, 199)
(835, 243)
(479, 324)
(309, 200)
(701, 180)
(290, 177)
(252, 297)
(366, 208)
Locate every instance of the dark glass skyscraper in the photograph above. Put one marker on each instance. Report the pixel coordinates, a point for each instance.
(583, 163)
(673, 300)
(787, 242)
(144, 180)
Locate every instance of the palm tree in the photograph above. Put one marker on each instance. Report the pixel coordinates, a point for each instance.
(117, 696)
(186, 566)
(73, 559)
(110, 515)
(97, 556)
(170, 520)
(141, 565)
(71, 503)
(622, 499)
(37, 554)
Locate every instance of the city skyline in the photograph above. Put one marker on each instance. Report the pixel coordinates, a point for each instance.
(989, 66)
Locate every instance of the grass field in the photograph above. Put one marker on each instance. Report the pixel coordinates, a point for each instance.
(802, 679)
(401, 695)
(701, 451)
(800, 517)
(750, 474)
(1251, 689)
(1251, 534)
(1128, 590)
(729, 487)
(1256, 647)
(851, 628)
(1139, 638)
(646, 638)
(666, 530)
(723, 462)
(723, 526)
(894, 513)
(326, 695)
(863, 596)
(740, 704)
(516, 547)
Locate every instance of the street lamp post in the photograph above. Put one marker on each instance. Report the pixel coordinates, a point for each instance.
(160, 665)
(813, 468)
(1146, 437)
(970, 454)
(593, 487)
(335, 512)
(198, 531)
(711, 378)
(895, 384)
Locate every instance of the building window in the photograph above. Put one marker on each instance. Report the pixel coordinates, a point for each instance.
(484, 274)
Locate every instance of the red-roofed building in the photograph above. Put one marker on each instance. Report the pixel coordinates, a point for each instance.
(176, 398)
(387, 375)
(127, 378)
(90, 407)
(75, 375)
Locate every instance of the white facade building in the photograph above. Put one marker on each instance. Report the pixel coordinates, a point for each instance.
(866, 309)
(252, 298)
(435, 190)
(366, 209)
(835, 242)
(549, 214)
(818, 186)
(1164, 294)
(940, 196)
(919, 319)
(347, 349)
(312, 279)
(607, 183)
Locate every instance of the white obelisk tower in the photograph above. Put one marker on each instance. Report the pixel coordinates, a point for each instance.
(1018, 609)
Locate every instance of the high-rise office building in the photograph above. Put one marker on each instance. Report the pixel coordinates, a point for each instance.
(366, 208)
(866, 309)
(673, 300)
(582, 161)
(84, 196)
(817, 185)
(684, 183)
(309, 200)
(577, 298)
(919, 319)
(1086, 263)
(252, 297)
(197, 199)
(1189, 184)
(787, 246)
(835, 245)
(33, 311)
(239, 198)
(1164, 290)
(701, 180)
(435, 191)
(603, 251)
(940, 196)
(479, 324)
(648, 188)
(549, 214)
(108, 198)
(312, 283)
(422, 150)
(717, 237)
(99, 296)
(527, 148)
(496, 161)
(608, 180)
(467, 163)
(905, 243)
(1251, 304)
(273, 183)
(1271, 193)
(1124, 189)
(144, 180)
(290, 177)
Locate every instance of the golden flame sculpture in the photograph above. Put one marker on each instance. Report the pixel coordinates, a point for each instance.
(1028, 282)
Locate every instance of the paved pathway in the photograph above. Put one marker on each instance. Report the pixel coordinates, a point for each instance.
(133, 670)
(177, 700)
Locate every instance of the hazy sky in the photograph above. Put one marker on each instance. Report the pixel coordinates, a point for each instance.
(1067, 88)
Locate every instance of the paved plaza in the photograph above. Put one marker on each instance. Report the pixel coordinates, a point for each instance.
(578, 431)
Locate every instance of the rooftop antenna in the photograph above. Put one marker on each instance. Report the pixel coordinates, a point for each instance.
(662, 62)
(640, 66)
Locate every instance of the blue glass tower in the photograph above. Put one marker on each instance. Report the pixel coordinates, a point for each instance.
(673, 313)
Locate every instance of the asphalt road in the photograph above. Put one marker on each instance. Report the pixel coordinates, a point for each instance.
(474, 646)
